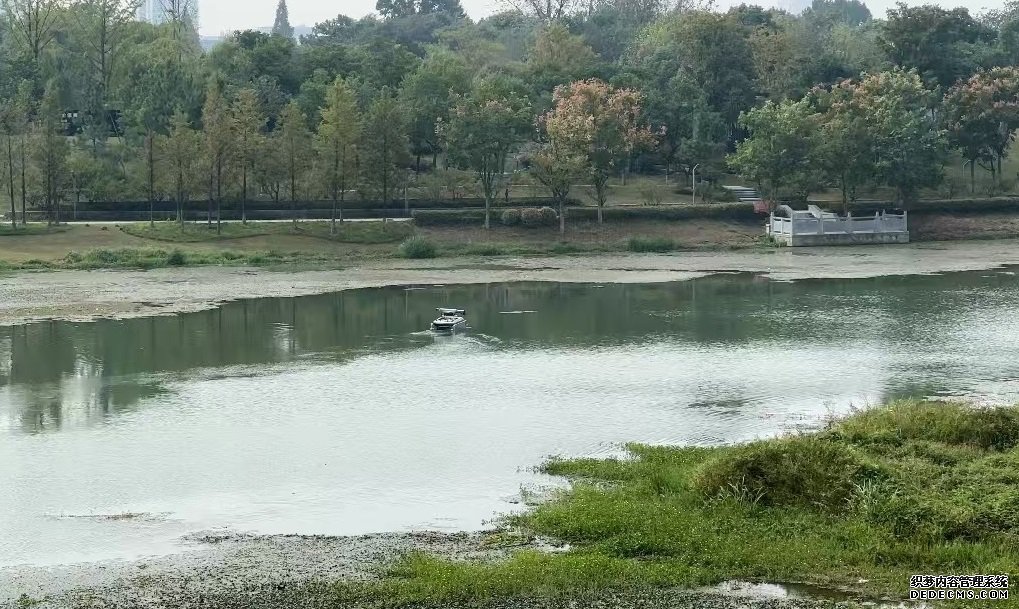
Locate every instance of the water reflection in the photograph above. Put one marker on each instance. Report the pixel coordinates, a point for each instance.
(56, 373)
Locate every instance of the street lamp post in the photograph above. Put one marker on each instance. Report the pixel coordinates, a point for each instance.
(693, 188)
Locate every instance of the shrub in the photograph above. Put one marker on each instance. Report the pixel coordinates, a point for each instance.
(176, 258)
(511, 217)
(650, 244)
(530, 217)
(548, 216)
(806, 471)
(417, 247)
(651, 195)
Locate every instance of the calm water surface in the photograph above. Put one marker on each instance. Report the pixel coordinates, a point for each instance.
(336, 414)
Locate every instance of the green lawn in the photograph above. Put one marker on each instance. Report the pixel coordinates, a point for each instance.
(347, 232)
(912, 488)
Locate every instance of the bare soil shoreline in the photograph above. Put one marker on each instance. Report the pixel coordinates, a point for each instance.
(90, 295)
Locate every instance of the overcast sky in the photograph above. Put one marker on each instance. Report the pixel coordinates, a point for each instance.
(219, 16)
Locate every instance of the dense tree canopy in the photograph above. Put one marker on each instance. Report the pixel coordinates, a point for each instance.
(96, 105)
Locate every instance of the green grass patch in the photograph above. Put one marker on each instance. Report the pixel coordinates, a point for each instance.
(484, 249)
(650, 244)
(911, 488)
(346, 232)
(6, 230)
(159, 258)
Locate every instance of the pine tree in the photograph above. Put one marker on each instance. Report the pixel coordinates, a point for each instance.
(49, 152)
(282, 26)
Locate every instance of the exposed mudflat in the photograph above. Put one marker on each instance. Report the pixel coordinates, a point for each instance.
(85, 295)
(285, 571)
(229, 566)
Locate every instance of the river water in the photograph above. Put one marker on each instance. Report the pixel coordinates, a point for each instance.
(337, 414)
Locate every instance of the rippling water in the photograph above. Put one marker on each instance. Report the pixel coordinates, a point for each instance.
(336, 414)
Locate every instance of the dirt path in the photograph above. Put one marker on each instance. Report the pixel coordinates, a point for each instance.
(87, 295)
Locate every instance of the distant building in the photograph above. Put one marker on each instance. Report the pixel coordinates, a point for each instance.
(155, 11)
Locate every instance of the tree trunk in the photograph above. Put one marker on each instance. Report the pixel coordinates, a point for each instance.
(10, 175)
(219, 199)
(562, 217)
(152, 178)
(332, 217)
(293, 196)
(600, 205)
(488, 209)
(972, 176)
(244, 195)
(24, 187)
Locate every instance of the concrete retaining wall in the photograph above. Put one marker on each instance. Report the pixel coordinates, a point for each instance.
(807, 240)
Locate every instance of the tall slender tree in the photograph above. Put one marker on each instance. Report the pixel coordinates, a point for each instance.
(336, 144)
(294, 140)
(182, 151)
(383, 145)
(248, 123)
(218, 130)
(282, 27)
(34, 23)
(49, 152)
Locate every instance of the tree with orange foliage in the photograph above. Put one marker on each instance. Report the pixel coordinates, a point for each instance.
(600, 125)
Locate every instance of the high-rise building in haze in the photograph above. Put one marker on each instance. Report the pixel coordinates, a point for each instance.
(156, 11)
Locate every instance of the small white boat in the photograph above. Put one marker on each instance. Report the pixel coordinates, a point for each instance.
(450, 320)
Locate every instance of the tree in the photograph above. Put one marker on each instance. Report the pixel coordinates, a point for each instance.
(247, 122)
(270, 169)
(942, 45)
(781, 153)
(182, 151)
(383, 146)
(449, 7)
(14, 119)
(909, 146)
(34, 23)
(559, 57)
(218, 129)
(710, 51)
(847, 141)
(689, 132)
(182, 15)
(483, 128)
(561, 155)
(336, 144)
(981, 115)
(427, 95)
(282, 27)
(394, 9)
(543, 10)
(610, 133)
(837, 12)
(102, 27)
(294, 141)
(49, 152)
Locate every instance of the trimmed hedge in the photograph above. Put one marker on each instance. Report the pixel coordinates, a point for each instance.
(742, 212)
(939, 206)
(262, 205)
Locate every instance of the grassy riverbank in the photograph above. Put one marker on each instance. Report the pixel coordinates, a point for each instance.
(912, 488)
(309, 244)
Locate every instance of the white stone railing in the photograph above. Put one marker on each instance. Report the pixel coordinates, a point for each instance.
(831, 224)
